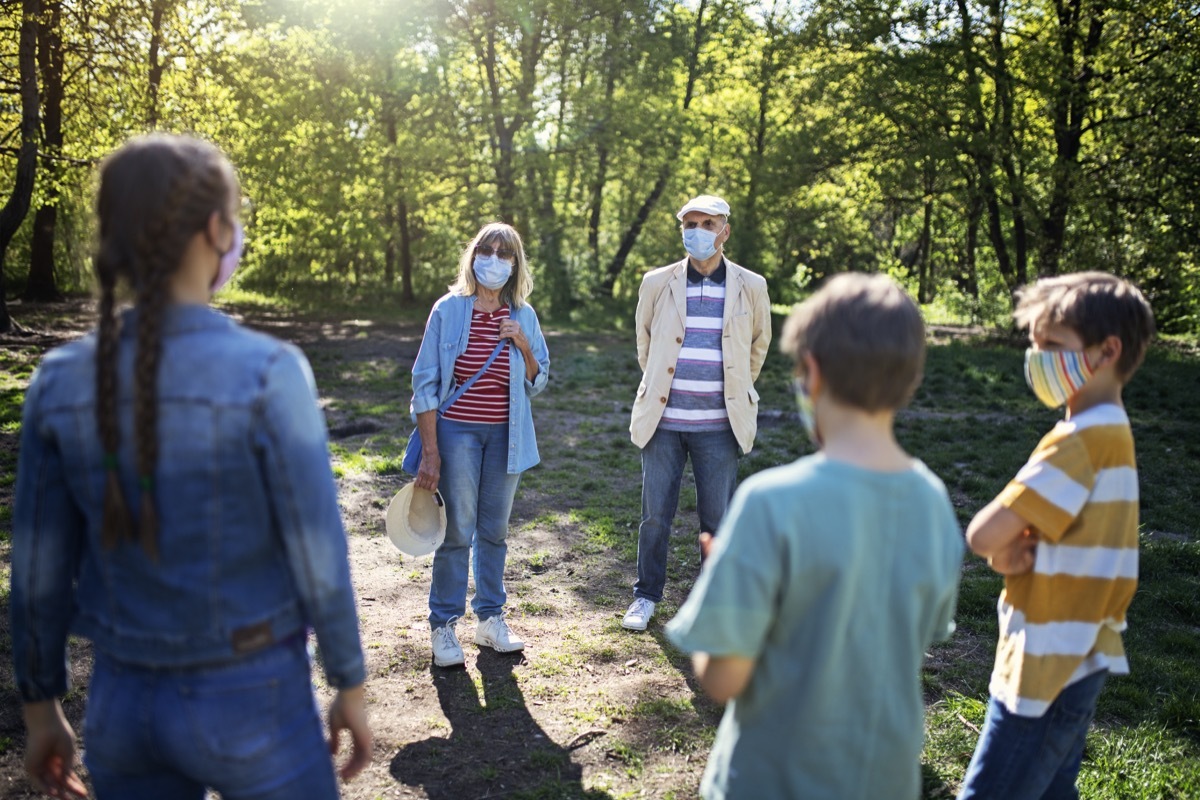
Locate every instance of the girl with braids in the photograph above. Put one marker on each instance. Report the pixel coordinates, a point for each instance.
(175, 505)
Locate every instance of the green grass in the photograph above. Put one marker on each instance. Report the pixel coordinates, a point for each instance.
(974, 422)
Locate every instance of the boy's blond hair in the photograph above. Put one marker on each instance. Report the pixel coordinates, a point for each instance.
(867, 336)
(1095, 305)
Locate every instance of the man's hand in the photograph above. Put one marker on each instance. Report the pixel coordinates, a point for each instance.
(50, 751)
(348, 712)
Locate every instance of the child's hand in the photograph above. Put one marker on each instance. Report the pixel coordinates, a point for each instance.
(50, 751)
(1017, 557)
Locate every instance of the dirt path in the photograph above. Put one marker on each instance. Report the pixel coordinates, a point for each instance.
(589, 710)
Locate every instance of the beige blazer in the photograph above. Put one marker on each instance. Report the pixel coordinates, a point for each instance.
(746, 326)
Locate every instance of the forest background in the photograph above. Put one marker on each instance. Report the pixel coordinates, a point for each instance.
(965, 147)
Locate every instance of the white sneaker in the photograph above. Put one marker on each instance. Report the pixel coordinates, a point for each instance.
(639, 614)
(495, 633)
(447, 652)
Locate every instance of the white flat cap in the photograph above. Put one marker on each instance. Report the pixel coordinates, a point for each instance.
(708, 203)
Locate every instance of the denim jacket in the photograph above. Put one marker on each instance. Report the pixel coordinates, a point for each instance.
(252, 549)
(446, 335)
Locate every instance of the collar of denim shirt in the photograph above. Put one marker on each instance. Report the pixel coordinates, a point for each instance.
(179, 318)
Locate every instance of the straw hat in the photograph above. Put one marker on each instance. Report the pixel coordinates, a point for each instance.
(416, 520)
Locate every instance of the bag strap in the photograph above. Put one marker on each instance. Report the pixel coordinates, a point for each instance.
(467, 383)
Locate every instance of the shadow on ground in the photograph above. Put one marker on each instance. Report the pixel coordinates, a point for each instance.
(494, 744)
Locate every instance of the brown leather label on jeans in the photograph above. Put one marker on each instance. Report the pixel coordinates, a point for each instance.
(252, 637)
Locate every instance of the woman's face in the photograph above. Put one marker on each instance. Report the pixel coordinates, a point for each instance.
(495, 245)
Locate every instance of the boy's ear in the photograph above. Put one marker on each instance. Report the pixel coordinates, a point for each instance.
(1110, 351)
(811, 374)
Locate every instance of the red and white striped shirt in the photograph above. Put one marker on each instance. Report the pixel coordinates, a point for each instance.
(487, 399)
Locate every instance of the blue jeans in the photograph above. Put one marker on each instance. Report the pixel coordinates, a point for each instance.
(479, 496)
(249, 729)
(1027, 758)
(714, 457)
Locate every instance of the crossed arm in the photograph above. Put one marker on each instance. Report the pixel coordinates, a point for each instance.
(1004, 538)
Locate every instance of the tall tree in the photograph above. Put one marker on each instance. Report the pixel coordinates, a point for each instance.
(17, 205)
(41, 285)
(693, 66)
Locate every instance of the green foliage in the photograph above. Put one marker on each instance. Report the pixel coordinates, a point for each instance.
(962, 151)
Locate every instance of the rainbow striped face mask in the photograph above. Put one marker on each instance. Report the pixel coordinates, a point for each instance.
(1056, 376)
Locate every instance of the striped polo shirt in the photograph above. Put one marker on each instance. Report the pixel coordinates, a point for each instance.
(487, 399)
(697, 398)
(1063, 620)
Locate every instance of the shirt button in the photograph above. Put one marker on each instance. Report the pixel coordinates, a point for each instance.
(670, 370)
(662, 399)
(678, 340)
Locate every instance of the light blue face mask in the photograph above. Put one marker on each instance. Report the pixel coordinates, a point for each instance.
(808, 411)
(699, 243)
(492, 272)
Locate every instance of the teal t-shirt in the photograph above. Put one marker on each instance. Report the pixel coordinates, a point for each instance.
(835, 579)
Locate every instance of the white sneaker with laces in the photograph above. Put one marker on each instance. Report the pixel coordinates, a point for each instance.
(447, 652)
(495, 633)
(639, 614)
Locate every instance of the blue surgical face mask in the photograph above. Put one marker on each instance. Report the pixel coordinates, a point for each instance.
(492, 272)
(807, 409)
(699, 243)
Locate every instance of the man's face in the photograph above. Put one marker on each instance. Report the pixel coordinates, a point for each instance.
(708, 222)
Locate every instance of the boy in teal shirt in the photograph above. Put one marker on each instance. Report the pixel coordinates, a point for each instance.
(831, 575)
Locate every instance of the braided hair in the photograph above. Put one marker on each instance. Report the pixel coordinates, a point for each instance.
(156, 193)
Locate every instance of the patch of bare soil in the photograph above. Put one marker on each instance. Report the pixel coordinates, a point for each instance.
(588, 711)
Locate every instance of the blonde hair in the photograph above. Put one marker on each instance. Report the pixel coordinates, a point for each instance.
(1095, 305)
(867, 336)
(497, 235)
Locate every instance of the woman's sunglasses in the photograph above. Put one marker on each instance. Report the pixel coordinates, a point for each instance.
(502, 252)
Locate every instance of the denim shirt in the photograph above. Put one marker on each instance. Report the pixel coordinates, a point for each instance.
(252, 549)
(446, 336)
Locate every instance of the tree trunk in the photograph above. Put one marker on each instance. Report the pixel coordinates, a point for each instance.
(42, 285)
(925, 246)
(17, 206)
(609, 282)
(601, 137)
(749, 239)
(156, 64)
(406, 262)
(980, 146)
(1004, 143)
(1070, 108)
(617, 264)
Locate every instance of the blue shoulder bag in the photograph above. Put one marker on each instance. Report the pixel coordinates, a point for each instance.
(412, 451)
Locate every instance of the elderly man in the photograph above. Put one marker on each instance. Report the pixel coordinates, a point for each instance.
(703, 327)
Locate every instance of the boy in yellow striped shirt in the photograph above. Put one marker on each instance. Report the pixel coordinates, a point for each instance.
(1064, 534)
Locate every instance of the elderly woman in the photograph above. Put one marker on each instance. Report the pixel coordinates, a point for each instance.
(475, 449)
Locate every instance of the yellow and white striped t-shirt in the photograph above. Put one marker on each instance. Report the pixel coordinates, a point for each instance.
(1063, 620)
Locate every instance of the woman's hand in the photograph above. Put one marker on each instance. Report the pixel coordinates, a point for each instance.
(511, 329)
(348, 712)
(50, 751)
(430, 471)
